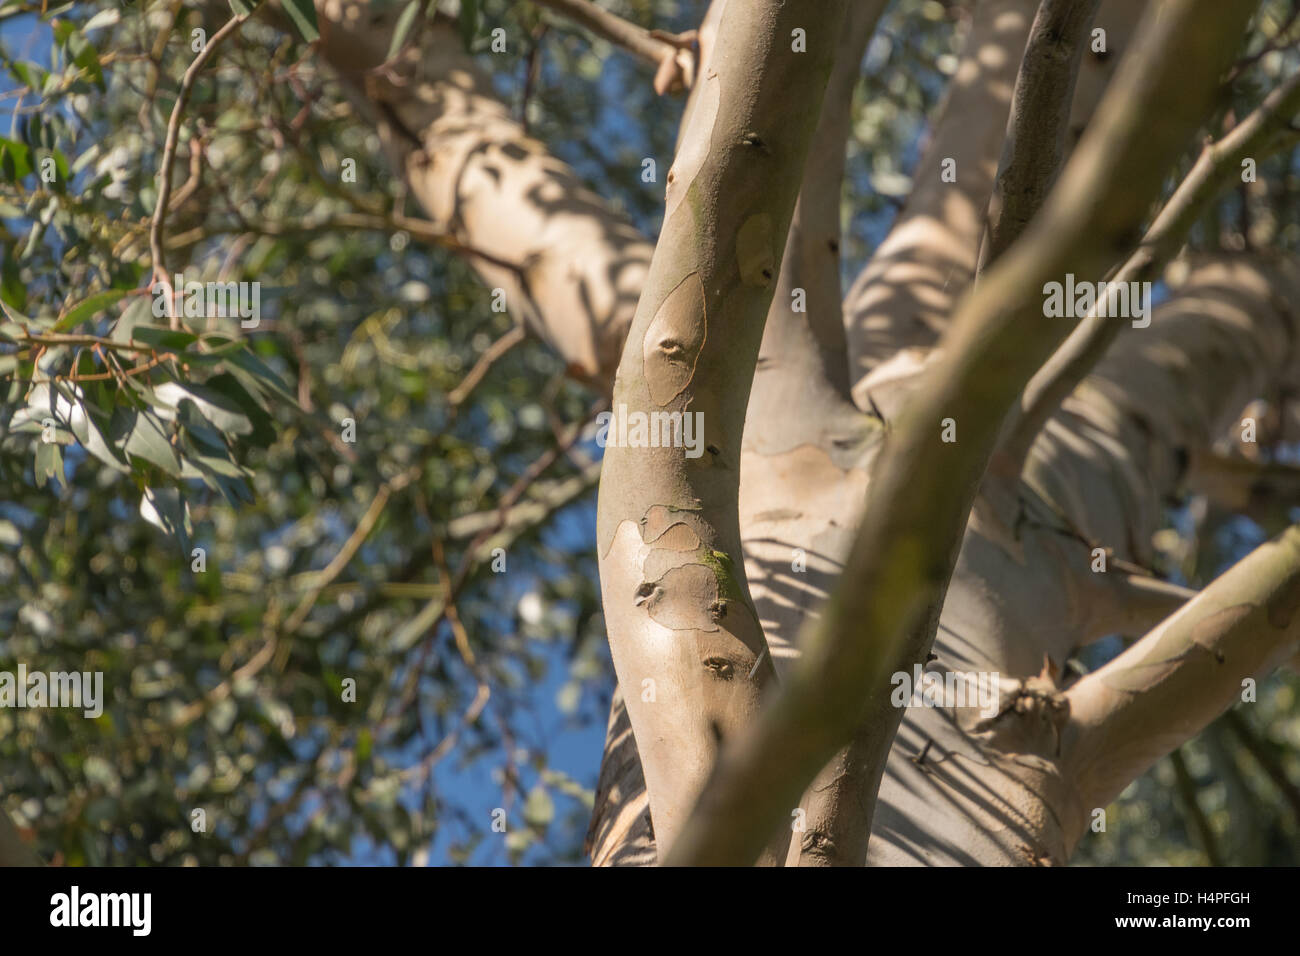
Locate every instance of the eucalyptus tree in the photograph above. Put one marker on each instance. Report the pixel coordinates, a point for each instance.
(931, 388)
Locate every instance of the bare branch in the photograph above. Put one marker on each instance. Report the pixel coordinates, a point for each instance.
(922, 488)
(905, 296)
(169, 152)
(1163, 690)
(350, 547)
(1257, 137)
(1242, 484)
(484, 364)
(571, 269)
(671, 54)
(1147, 600)
(1040, 119)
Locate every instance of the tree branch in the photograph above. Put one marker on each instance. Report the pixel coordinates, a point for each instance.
(802, 422)
(1146, 600)
(677, 605)
(1242, 485)
(921, 491)
(169, 152)
(1040, 118)
(672, 55)
(570, 266)
(906, 294)
(1217, 167)
(1163, 690)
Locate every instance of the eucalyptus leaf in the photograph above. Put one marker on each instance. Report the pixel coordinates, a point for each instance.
(89, 307)
(403, 27)
(224, 414)
(141, 434)
(303, 15)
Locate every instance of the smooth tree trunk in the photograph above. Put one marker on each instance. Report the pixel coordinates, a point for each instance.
(686, 641)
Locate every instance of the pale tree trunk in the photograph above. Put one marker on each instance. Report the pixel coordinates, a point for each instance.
(806, 449)
(957, 787)
(922, 487)
(905, 296)
(687, 645)
(570, 266)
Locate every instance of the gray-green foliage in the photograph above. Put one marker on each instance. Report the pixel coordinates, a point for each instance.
(243, 457)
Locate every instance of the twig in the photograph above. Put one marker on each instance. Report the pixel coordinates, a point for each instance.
(1267, 760)
(169, 154)
(656, 47)
(1187, 792)
(432, 614)
(55, 339)
(485, 362)
(349, 549)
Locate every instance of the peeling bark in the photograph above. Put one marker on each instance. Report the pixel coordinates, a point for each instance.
(677, 606)
(898, 570)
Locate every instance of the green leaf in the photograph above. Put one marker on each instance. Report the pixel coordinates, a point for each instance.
(16, 318)
(256, 369)
(303, 15)
(244, 8)
(29, 74)
(223, 413)
(221, 466)
(135, 313)
(468, 22)
(263, 433)
(15, 160)
(13, 291)
(86, 56)
(91, 437)
(165, 508)
(141, 434)
(160, 337)
(403, 27)
(49, 463)
(88, 307)
(198, 431)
